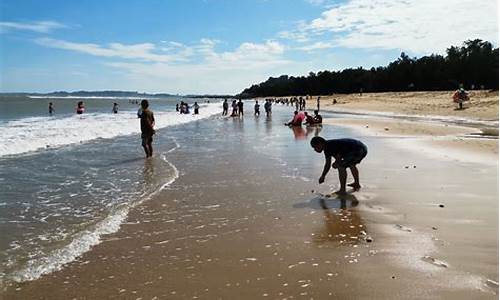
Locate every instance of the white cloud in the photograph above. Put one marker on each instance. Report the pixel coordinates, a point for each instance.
(424, 26)
(199, 68)
(315, 2)
(298, 34)
(316, 46)
(138, 51)
(40, 26)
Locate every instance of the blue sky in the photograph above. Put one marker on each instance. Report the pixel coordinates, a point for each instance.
(218, 46)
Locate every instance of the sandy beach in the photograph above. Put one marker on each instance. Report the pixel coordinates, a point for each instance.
(483, 105)
(246, 219)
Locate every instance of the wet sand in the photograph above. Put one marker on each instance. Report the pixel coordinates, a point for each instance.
(245, 220)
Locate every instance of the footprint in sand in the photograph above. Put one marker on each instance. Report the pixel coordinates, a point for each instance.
(434, 261)
(403, 228)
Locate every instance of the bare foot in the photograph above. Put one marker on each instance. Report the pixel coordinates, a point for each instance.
(340, 192)
(355, 186)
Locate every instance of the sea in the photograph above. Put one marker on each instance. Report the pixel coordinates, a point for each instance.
(68, 179)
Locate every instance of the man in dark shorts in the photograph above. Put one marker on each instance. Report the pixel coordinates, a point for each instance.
(240, 108)
(347, 153)
(147, 131)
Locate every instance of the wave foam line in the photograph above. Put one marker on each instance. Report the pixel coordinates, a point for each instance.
(82, 243)
(35, 133)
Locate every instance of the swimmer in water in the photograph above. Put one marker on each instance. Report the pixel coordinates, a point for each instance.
(80, 108)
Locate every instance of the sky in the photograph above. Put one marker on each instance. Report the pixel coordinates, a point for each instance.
(219, 46)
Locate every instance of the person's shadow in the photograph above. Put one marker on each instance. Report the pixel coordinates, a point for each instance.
(329, 201)
(343, 225)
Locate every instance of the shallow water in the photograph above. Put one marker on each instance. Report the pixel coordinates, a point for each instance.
(67, 179)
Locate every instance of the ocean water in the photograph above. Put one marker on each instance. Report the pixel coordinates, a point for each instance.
(68, 179)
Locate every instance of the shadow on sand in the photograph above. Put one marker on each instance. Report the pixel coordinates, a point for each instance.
(342, 222)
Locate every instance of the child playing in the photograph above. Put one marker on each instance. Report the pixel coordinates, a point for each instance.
(347, 153)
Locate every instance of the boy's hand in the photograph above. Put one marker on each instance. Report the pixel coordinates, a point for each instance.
(321, 179)
(335, 165)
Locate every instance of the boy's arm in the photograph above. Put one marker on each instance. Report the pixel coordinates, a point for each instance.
(326, 168)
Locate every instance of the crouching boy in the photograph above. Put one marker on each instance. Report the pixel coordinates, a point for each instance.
(347, 153)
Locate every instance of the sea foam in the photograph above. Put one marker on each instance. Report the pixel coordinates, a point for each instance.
(35, 133)
(86, 239)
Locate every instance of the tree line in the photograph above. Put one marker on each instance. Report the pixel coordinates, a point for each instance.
(473, 65)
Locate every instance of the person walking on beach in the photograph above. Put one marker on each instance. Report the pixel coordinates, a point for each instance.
(257, 108)
(460, 96)
(147, 128)
(347, 153)
(115, 108)
(225, 107)
(196, 108)
(80, 107)
(317, 103)
(240, 108)
(51, 108)
(177, 107)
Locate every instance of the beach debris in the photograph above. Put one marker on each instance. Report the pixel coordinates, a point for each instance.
(441, 205)
(312, 191)
(393, 277)
(406, 167)
(369, 239)
(434, 227)
(435, 261)
(366, 126)
(386, 128)
(414, 167)
(403, 228)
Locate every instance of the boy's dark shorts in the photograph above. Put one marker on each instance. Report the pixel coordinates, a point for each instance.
(146, 139)
(353, 158)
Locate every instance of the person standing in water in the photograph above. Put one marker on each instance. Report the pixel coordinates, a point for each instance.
(51, 108)
(147, 128)
(225, 107)
(347, 153)
(80, 108)
(115, 108)
(196, 108)
(257, 108)
(240, 108)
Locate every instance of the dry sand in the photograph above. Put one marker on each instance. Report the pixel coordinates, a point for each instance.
(445, 139)
(483, 104)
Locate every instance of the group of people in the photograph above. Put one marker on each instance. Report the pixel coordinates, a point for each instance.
(300, 116)
(80, 108)
(183, 108)
(237, 108)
